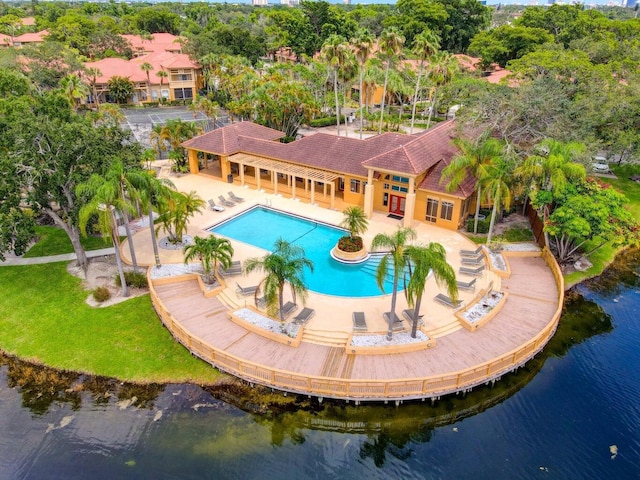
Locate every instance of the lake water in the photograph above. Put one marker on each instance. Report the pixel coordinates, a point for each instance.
(571, 413)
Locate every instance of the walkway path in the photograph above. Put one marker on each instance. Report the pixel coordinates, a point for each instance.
(10, 261)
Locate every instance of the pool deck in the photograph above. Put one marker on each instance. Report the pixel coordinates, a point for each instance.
(324, 364)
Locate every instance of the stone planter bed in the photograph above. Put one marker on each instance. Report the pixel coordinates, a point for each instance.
(378, 343)
(289, 333)
(479, 313)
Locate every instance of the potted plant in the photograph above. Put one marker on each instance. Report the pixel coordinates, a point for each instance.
(350, 247)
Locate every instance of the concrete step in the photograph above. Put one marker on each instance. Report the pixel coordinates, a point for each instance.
(446, 329)
(325, 337)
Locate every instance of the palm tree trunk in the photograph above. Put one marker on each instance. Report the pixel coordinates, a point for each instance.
(384, 94)
(416, 317)
(335, 91)
(361, 93)
(415, 98)
(433, 107)
(392, 314)
(127, 229)
(475, 222)
(116, 245)
(154, 239)
(496, 202)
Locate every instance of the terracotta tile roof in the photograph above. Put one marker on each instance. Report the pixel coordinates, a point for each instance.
(226, 140)
(131, 68)
(31, 37)
(28, 21)
(432, 183)
(161, 42)
(420, 153)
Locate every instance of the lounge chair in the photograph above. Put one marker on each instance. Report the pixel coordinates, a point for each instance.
(304, 316)
(261, 302)
(214, 207)
(474, 272)
(446, 300)
(246, 291)
(471, 253)
(408, 315)
(287, 309)
(225, 202)
(234, 269)
(359, 322)
(469, 286)
(233, 197)
(398, 324)
(473, 260)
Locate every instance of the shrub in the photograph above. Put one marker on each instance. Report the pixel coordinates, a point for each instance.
(483, 225)
(348, 244)
(101, 294)
(133, 279)
(326, 121)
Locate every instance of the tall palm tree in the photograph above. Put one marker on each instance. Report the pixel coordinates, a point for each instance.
(396, 245)
(335, 52)
(146, 67)
(472, 161)
(363, 46)
(390, 44)
(74, 88)
(211, 251)
(432, 258)
(551, 170)
(162, 75)
(93, 74)
(425, 45)
(497, 187)
(118, 187)
(156, 193)
(355, 221)
(284, 265)
(441, 72)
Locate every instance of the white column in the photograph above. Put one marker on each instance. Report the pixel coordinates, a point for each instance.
(313, 191)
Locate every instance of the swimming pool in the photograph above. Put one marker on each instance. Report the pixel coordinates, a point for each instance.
(262, 226)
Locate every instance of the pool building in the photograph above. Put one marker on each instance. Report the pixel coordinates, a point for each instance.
(394, 173)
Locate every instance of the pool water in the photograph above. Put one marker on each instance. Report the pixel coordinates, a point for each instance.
(261, 227)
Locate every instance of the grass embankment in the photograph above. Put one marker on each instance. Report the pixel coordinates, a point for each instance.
(44, 318)
(55, 241)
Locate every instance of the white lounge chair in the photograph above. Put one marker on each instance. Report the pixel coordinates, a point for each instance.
(225, 202)
(214, 207)
(446, 300)
(233, 197)
(398, 324)
(471, 253)
(287, 309)
(469, 286)
(234, 269)
(246, 291)
(474, 272)
(304, 316)
(408, 315)
(359, 322)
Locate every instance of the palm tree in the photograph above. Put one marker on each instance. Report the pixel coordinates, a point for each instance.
(396, 245)
(355, 221)
(442, 71)
(390, 43)
(94, 73)
(363, 45)
(472, 161)
(432, 258)
(497, 188)
(162, 74)
(425, 45)
(146, 67)
(335, 51)
(175, 212)
(211, 251)
(74, 88)
(157, 139)
(119, 187)
(284, 265)
(552, 170)
(156, 193)
(120, 88)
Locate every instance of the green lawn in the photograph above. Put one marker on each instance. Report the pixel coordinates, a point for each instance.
(53, 325)
(630, 188)
(54, 241)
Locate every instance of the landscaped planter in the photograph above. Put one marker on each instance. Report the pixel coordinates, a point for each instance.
(483, 310)
(349, 257)
(259, 323)
(380, 345)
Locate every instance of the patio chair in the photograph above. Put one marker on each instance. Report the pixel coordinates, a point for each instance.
(359, 322)
(474, 272)
(261, 302)
(233, 197)
(446, 300)
(471, 253)
(225, 202)
(304, 316)
(469, 286)
(408, 315)
(473, 260)
(234, 269)
(245, 291)
(398, 324)
(287, 309)
(214, 207)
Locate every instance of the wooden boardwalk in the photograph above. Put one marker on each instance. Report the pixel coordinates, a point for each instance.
(460, 360)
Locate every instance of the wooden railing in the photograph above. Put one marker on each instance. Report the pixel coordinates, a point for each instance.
(370, 390)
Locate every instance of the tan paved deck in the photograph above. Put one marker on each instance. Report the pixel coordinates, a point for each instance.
(530, 306)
